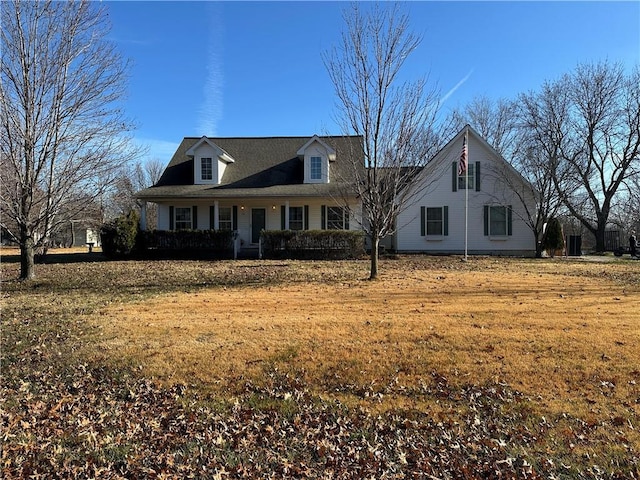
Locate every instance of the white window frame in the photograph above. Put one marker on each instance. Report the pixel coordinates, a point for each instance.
(336, 223)
(462, 179)
(440, 222)
(315, 168)
(206, 168)
(504, 221)
(182, 218)
(296, 223)
(225, 218)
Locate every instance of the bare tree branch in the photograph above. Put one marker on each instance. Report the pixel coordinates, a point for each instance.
(396, 119)
(63, 133)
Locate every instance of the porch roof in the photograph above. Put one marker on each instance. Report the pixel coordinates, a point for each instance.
(174, 192)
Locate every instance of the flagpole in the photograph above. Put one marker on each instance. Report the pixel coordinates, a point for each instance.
(466, 196)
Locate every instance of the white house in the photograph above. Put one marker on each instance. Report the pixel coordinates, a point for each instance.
(495, 223)
(299, 183)
(254, 184)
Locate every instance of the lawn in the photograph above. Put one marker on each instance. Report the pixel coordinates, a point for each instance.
(491, 368)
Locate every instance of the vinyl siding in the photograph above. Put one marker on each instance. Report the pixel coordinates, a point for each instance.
(439, 193)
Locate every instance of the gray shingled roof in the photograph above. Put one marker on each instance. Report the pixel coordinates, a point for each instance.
(267, 166)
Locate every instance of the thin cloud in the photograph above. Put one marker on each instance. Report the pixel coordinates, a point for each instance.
(456, 87)
(210, 113)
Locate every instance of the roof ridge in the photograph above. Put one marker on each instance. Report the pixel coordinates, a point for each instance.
(267, 137)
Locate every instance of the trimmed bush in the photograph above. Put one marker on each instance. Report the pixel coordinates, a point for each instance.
(312, 244)
(187, 243)
(118, 237)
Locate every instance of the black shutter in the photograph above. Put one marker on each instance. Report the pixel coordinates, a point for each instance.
(171, 219)
(477, 176)
(422, 221)
(212, 216)
(306, 217)
(194, 220)
(454, 177)
(445, 220)
(509, 221)
(323, 217)
(283, 213)
(486, 220)
(347, 213)
(234, 219)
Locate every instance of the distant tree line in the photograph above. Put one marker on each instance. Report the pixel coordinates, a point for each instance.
(577, 141)
(66, 152)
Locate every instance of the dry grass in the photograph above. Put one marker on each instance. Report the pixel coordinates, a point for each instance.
(542, 356)
(558, 331)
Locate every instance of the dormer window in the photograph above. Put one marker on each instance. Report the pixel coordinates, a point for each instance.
(317, 156)
(206, 168)
(315, 168)
(209, 162)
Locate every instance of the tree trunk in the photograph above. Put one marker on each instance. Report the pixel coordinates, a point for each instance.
(375, 242)
(27, 258)
(599, 234)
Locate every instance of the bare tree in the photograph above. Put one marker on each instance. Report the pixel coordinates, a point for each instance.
(121, 199)
(543, 125)
(599, 144)
(63, 135)
(625, 212)
(631, 206)
(495, 121)
(396, 120)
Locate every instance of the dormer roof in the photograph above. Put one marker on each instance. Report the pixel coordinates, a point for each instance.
(223, 155)
(331, 153)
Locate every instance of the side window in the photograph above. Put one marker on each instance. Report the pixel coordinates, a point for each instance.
(497, 220)
(459, 182)
(435, 221)
(462, 179)
(337, 218)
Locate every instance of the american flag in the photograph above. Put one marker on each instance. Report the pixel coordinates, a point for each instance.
(462, 165)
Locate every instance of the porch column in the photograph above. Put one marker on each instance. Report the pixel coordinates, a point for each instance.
(143, 216)
(216, 215)
(286, 215)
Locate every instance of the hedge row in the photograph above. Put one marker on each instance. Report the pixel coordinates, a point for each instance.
(186, 243)
(122, 237)
(312, 244)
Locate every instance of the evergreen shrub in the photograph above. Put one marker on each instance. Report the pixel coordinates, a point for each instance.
(553, 239)
(118, 237)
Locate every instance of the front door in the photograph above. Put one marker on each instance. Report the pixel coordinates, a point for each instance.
(258, 216)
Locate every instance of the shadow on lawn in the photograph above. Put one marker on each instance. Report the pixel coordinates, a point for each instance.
(53, 258)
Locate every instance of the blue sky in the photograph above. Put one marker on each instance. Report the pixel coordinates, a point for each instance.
(255, 68)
